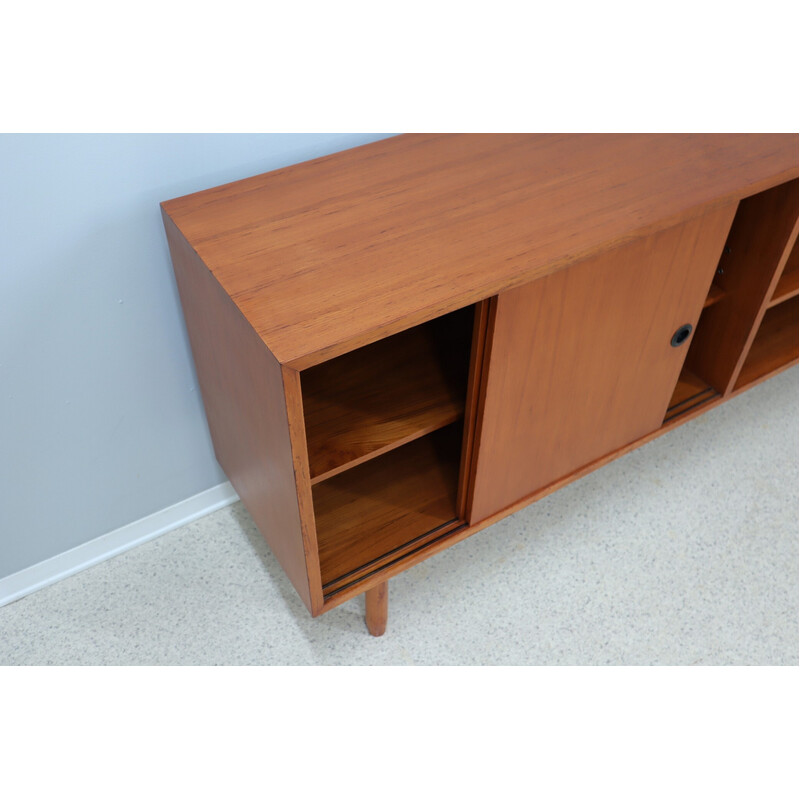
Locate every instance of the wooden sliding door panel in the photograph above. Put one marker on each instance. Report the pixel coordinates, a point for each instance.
(580, 362)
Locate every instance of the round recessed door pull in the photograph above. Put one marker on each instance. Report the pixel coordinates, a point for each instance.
(681, 335)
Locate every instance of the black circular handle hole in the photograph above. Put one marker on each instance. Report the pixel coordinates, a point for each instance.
(681, 335)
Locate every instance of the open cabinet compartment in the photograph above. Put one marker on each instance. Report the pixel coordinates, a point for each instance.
(690, 393)
(375, 513)
(753, 260)
(774, 346)
(691, 390)
(787, 285)
(378, 397)
(384, 428)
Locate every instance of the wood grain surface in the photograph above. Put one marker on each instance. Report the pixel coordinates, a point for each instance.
(689, 392)
(715, 294)
(787, 283)
(302, 476)
(284, 276)
(755, 252)
(373, 509)
(581, 362)
(242, 388)
(774, 346)
(473, 411)
(448, 538)
(326, 256)
(386, 394)
(377, 608)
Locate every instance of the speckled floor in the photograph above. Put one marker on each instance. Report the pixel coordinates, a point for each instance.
(682, 552)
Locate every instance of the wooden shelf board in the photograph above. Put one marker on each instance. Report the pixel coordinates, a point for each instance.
(774, 346)
(739, 388)
(362, 404)
(715, 294)
(690, 392)
(787, 284)
(371, 511)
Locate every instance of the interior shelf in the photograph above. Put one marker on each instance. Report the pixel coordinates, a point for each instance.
(374, 512)
(775, 344)
(689, 393)
(371, 400)
(787, 284)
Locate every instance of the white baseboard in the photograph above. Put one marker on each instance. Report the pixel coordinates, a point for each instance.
(111, 544)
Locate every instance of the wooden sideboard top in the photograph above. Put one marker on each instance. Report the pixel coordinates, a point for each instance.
(328, 255)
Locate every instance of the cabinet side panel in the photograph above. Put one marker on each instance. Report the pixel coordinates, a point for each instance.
(472, 415)
(302, 473)
(243, 394)
(581, 361)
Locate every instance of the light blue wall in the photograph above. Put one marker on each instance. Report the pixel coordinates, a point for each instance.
(101, 422)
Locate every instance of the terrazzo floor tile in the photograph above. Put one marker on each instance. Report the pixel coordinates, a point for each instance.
(684, 551)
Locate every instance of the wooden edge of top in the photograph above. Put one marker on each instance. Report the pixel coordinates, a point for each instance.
(491, 287)
(223, 187)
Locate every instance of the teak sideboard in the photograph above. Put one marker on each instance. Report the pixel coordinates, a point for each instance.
(400, 344)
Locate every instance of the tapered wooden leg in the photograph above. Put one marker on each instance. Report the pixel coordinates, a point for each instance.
(377, 608)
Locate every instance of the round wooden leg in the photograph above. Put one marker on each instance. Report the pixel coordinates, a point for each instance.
(377, 603)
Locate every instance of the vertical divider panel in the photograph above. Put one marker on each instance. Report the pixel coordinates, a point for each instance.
(753, 257)
(765, 304)
(787, 283)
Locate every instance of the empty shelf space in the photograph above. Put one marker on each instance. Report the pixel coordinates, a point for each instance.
(715, 294)
(369, 514)
(371, 400)
(787, 284)
(775, 344)
(689, 393)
